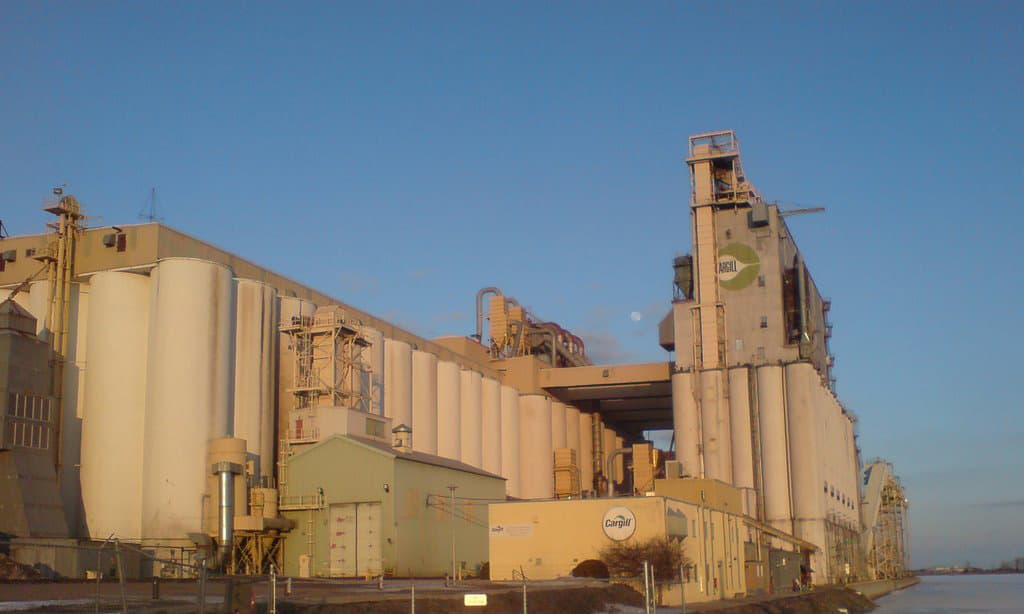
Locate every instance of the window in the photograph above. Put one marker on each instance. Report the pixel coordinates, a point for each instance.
(760, 281)
(764, 321)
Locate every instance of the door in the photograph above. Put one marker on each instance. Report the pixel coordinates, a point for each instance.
(355, 539)
(368, 556)
(343, 540)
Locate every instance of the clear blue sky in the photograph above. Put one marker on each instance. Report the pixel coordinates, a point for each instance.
(402, 156)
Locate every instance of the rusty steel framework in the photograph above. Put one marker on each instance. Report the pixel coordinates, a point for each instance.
(890, 551)
(331, 369)
(844, 550)
(514, 331)
(253, 553)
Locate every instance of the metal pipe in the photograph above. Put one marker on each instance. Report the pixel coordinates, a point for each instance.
(227, 511)
(226, 472)
(611, 469)
(480, 310)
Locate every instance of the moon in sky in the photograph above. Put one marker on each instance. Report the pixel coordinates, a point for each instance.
(636, 316)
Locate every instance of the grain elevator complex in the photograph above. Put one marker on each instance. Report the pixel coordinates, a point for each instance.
(204, 410)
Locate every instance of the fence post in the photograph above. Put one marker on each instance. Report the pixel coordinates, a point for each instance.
(273, 589)
(647, 591)
(120, 575)
(202, 586)
(524, 594)
(413, 599)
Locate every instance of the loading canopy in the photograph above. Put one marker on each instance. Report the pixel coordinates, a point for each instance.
(631, 398)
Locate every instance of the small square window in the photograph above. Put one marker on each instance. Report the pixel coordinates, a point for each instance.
(728, 234)
(760, 281)
(764, 321)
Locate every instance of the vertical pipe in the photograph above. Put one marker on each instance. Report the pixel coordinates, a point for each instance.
(715, 429)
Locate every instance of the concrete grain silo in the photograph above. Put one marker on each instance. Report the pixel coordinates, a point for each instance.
(741, 445)
(535, 447)
(449, 410)
(558, 432)
(774, 453)
(255, 373)
(586, 456)
(398, 382)
(113, 428)
(511, 429)
(685, 417)
(491, 427)
(471, 416)
(188, 390)
(424, 402)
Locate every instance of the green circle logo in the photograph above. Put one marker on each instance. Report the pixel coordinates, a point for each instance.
(738, 266)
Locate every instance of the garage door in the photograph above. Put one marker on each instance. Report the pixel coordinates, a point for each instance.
(355, 539)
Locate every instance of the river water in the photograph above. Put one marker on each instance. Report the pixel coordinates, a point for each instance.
(957, 595)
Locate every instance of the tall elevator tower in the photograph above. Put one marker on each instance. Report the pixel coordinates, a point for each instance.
(752, 396)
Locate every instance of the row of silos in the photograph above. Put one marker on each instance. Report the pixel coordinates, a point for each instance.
(180, 356)
(774, 426)
(460, 414)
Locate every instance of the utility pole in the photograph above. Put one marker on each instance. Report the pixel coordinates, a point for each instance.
(451, 494)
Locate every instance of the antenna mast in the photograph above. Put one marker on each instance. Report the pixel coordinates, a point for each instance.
(149, 213)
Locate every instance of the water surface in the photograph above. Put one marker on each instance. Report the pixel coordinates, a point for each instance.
(957, 595)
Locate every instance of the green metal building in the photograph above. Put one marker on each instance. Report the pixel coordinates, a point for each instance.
(362, 507)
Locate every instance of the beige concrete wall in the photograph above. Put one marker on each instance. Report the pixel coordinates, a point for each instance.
(547, 539)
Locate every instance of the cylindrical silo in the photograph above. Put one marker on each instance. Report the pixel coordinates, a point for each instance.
(471, 415)
(536, 455)
(510, 431)
(113, 427)
(742, 447)
(686, 424)
(490, 394)
(449, 410)
(290, 309)
(373, 380)
(398, 382)
(805, 465)
(608, 446)
(586, 457)
(714, 420)
(558, 439)
(424, 402)
(255, 357)
(771, 398)
(188, 390)
(572, 430)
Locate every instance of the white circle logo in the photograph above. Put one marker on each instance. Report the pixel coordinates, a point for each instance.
(619, 523)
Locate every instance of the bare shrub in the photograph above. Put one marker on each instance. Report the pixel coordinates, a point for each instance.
(626, 558)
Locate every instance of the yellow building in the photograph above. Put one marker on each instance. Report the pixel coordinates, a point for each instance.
(545, 540)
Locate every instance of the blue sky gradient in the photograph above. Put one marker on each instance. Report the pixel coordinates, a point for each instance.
(403, 155)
